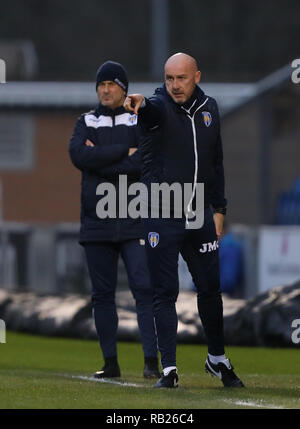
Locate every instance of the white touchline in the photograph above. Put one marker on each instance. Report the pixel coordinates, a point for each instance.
(246, 403)
(105, 380)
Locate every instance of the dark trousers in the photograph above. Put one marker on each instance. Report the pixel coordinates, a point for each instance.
(102, 260)
(203, 262)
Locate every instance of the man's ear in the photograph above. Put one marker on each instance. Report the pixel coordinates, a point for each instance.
(198, 76)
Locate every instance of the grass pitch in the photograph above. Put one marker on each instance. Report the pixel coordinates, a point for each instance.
(55, 373)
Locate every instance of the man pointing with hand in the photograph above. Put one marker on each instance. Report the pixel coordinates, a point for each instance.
(183, 144)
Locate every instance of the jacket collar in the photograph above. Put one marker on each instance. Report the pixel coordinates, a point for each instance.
(103, 110)
(192, 103)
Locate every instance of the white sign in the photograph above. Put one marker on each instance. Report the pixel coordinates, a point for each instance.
(279, 256)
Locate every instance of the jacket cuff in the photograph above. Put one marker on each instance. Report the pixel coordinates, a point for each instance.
(221, 210)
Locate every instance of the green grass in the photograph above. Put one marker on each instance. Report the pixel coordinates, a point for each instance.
(40, 372)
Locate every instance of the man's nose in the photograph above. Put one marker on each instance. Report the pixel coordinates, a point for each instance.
(175, 84)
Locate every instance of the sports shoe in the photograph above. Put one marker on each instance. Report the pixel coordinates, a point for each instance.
(151, 368)
(108, 371)
(224, 371)
(169, 381)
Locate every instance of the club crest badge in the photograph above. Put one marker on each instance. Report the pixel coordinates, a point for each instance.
(153, 238)
(207, 118)
(133, 119)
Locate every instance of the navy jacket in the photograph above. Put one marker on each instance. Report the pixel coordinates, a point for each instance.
(186, 143)
(112, 133)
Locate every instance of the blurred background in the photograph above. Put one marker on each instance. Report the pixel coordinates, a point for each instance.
(51, 51)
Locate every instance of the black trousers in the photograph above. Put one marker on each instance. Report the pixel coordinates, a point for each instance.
(102, 260)
(199, 248)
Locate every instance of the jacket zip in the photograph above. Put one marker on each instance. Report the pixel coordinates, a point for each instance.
(192, 118)
(118, 225)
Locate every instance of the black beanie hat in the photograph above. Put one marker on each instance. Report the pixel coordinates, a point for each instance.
(112, 71)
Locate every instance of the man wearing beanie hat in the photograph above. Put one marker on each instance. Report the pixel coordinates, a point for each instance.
(114, 72)
(104, 146)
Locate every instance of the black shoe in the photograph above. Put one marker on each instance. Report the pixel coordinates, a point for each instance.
(224, 371)
(151, 368)
(110, 369)
(169, 381)
(108, 372)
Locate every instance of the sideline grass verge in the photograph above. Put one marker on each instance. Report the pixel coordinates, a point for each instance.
(42, 372)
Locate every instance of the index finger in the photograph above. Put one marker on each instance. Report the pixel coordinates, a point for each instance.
(128, 104)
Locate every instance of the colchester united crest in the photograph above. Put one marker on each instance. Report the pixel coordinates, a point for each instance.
(207, 118)
(153, 238)
(133, 119)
